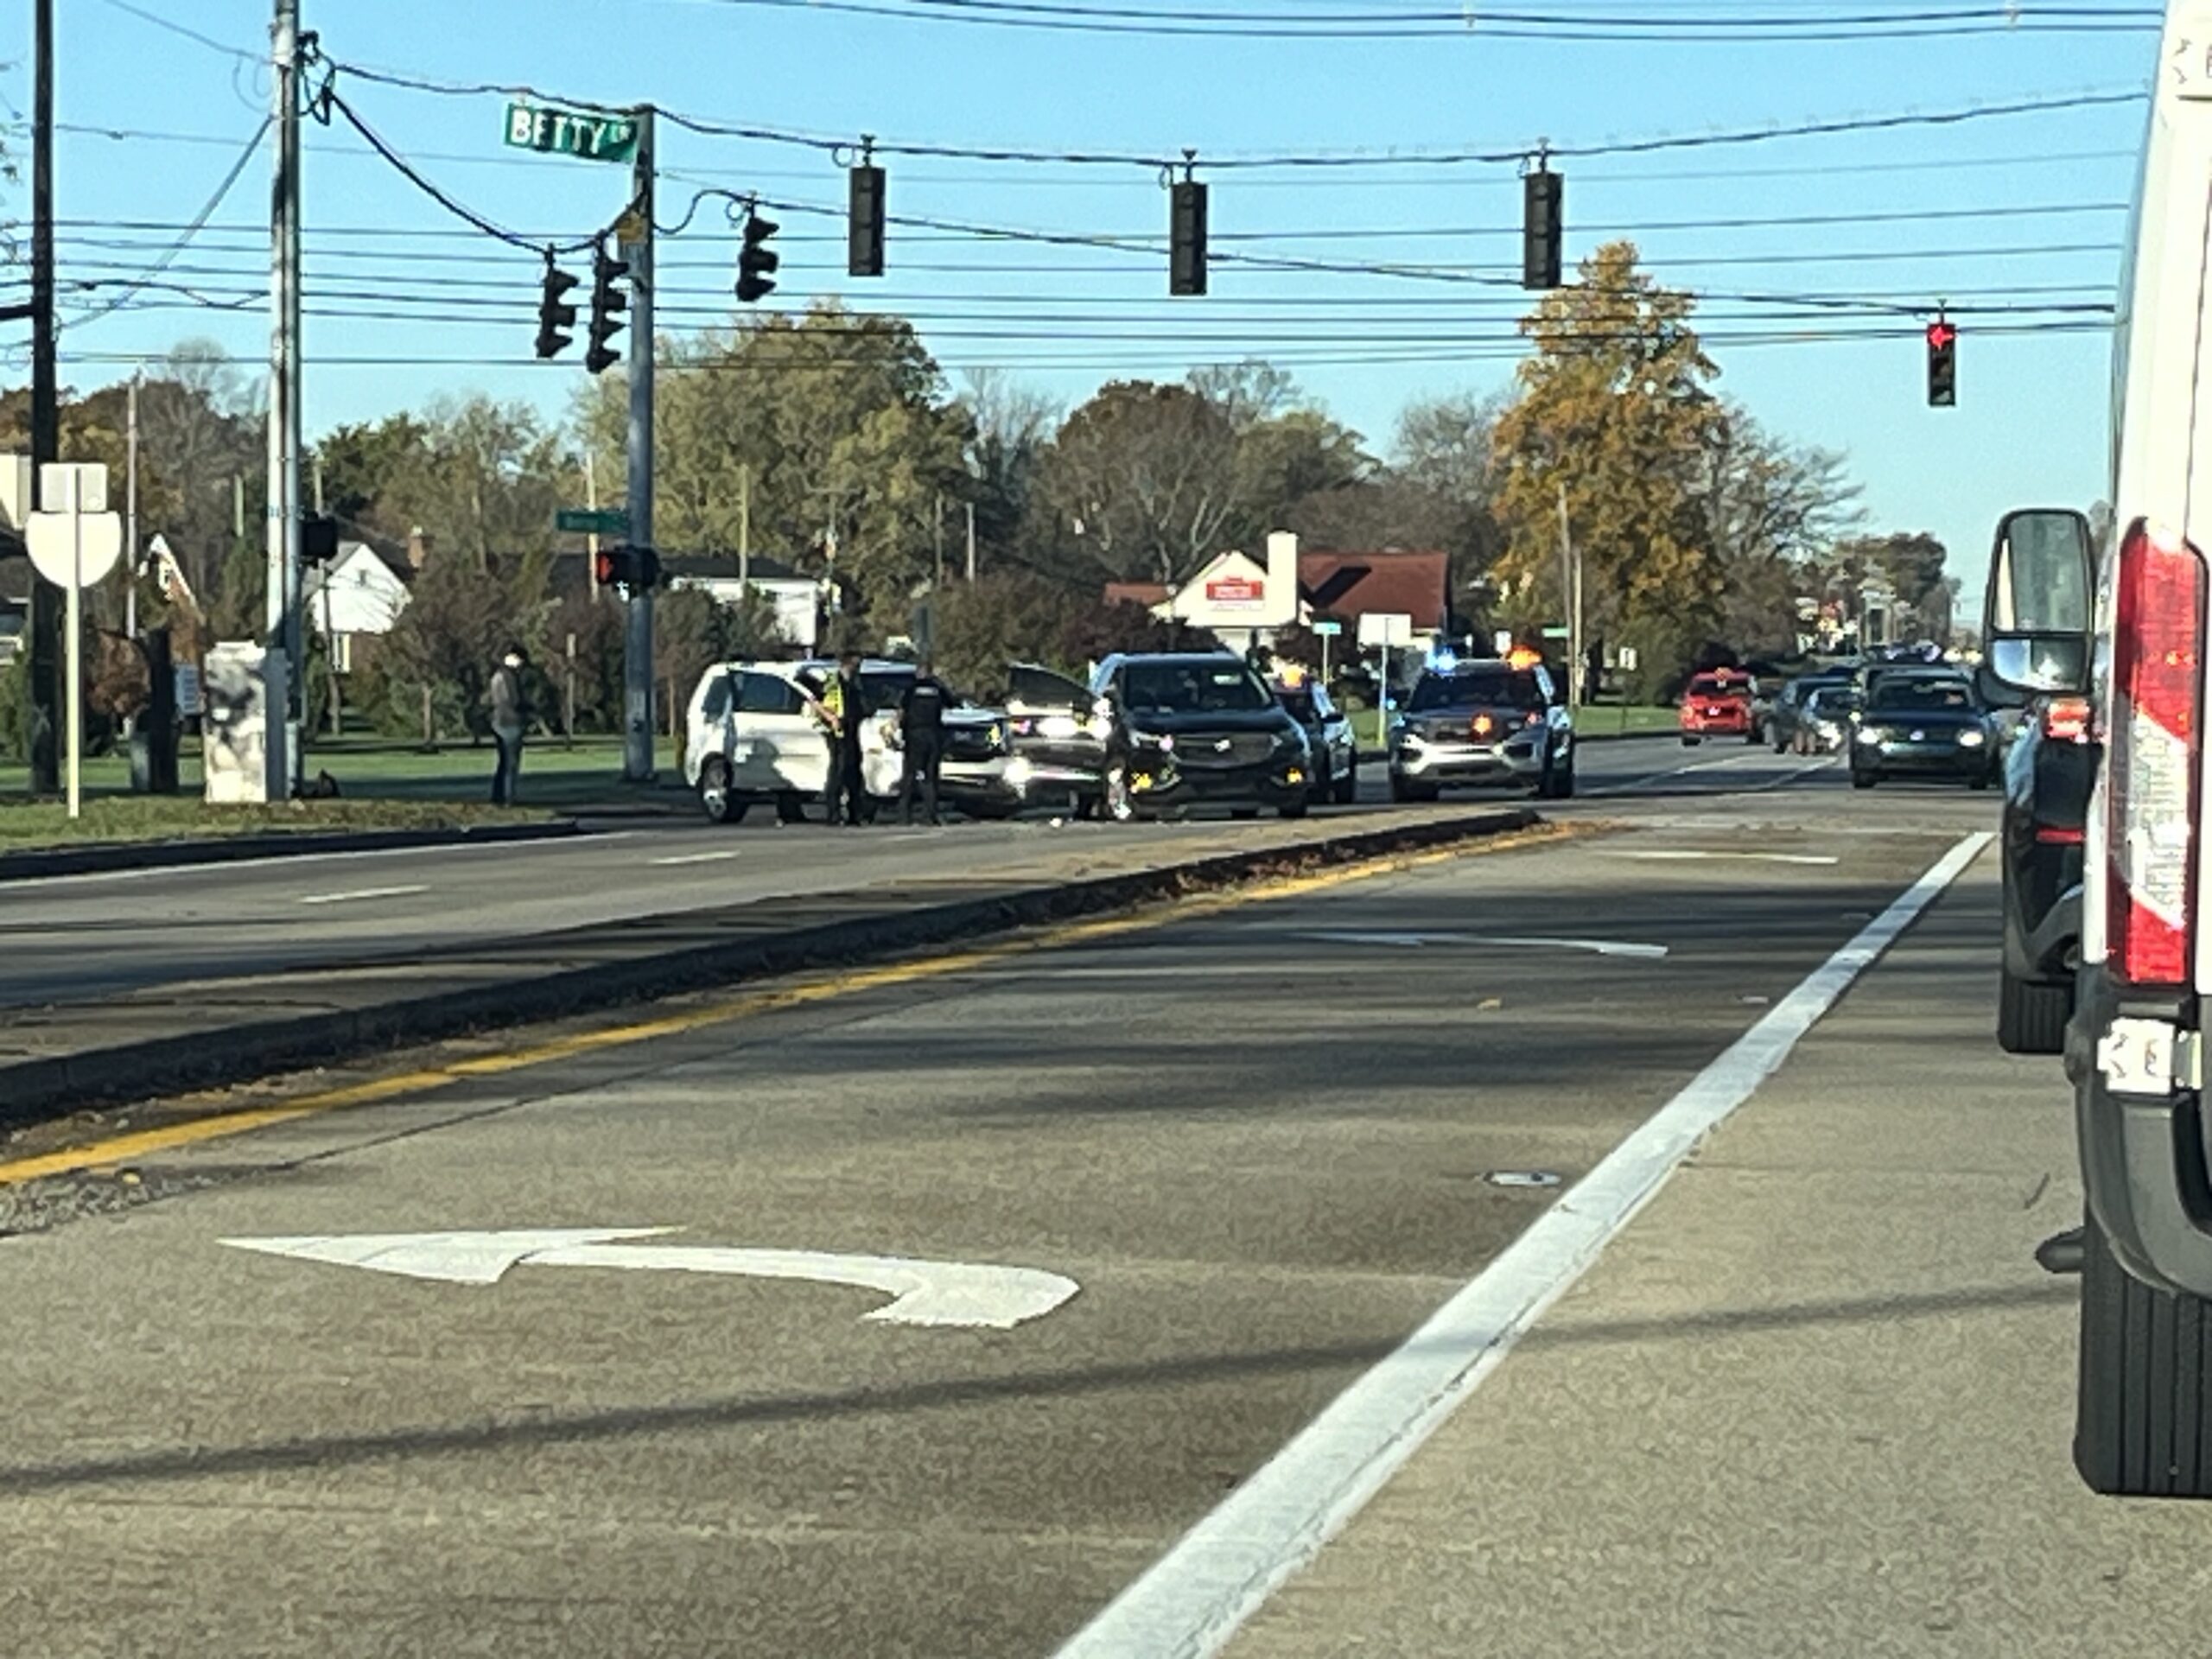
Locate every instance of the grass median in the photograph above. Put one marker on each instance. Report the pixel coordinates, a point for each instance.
(28, 826)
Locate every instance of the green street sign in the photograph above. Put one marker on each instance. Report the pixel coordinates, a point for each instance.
(1558, 634)
(1328, 630)
(600, 521)
(594, 138)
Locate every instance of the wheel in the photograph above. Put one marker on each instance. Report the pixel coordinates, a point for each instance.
(1117, 804)
(1861, 780)
(1346, 790)
(2142, 1418)
(1689, 742)
(721, 803)
(1563, 782)
(1288, 809)
(2030, 1016)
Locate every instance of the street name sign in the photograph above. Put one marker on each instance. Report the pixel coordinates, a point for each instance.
(593, 521)
(593, 136)
(922, 1293)
(1328, 630)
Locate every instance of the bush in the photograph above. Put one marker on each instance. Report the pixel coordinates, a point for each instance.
(16, 707)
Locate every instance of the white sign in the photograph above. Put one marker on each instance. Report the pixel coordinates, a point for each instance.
(74, 549)
(922, 1293)
(1386, 628)
(1502, 642)
(72, 486)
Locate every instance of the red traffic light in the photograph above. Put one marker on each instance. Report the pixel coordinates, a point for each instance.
(1941, 334)
(606, 569)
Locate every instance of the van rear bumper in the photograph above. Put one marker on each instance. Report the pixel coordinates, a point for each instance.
(2144, 1160)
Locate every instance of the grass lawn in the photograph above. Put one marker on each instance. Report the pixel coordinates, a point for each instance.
(27, 824)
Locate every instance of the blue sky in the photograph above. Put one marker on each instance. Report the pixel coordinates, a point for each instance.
(2030, 423)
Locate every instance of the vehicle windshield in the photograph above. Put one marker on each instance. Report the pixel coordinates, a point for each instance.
(1495, 684)
(1922, 694)
(1194, 688)
(1829, 699)
(883, 689)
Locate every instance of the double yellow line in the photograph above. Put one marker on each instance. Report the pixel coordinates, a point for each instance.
(219, 1123)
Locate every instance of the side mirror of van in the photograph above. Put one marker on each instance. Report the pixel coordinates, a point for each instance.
(2038, 614)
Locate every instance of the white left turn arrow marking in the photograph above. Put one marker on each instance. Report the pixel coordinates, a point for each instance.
(1595, 947)
(922, 1293)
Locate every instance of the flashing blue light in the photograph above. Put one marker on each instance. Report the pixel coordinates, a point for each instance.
(1443, 660)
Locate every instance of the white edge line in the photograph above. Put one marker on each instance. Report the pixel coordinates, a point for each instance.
(700, 858)
(1191, 1602)
(358, 894)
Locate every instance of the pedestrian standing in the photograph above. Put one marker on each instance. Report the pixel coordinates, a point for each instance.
(510, 707)
(921, 734)
(847, 702)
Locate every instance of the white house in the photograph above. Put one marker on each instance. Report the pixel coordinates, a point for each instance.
(358, 593)
(796, 600)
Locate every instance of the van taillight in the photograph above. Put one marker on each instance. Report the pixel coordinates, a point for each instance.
(2151, 787)
(2066, 719)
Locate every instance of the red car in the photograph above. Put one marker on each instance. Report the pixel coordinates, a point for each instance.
(1718, 704)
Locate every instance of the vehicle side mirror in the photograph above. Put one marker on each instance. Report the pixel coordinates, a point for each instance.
(2038, 614)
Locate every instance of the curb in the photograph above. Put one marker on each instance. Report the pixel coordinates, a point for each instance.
(102, 857)
(39, 1090)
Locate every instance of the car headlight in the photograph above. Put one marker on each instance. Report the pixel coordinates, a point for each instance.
(1868, 734)
(1971, 740)
(1058, 726)
(1164, 741)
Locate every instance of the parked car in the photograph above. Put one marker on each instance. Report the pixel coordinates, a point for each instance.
(1822, 723)
(1190, 729)
(1718, 704)
(1922, 726)
(1332, 749)
(2049, 774)
(1483, 722)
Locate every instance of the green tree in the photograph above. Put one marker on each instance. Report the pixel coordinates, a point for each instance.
(1140, 484)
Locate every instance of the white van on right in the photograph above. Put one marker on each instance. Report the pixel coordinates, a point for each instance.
(2124, 623)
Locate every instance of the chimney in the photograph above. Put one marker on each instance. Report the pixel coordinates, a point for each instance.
(1282, 578)
(418, 549)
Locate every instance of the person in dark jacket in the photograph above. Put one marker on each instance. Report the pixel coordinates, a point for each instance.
(847, 702)
(510, 708)
(921, 734)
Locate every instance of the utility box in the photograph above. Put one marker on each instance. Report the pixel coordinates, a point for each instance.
(235, 702)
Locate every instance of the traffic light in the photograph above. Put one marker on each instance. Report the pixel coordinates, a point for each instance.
(608, 302)
(553, 313)
(626, 569)
(1542, 201)
(1942, 364)
(318, 539)
(864, 222)
(1186, 237)
(756, 259)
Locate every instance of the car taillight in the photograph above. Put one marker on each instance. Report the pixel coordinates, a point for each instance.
(2066, 719)
(2156, 677)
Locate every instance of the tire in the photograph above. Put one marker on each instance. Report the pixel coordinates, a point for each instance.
(2143, 1415)
(1346, 790)
(1862, 780)
(717, 799)
(1563, 783)
(1692, 742)
(1290, 809)
(2031, 1016)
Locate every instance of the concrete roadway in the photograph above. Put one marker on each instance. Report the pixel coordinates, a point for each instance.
(1812, 1402)
(74, 940)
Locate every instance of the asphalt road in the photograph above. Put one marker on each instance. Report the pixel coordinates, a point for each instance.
(72, 939)
(1264, 1140)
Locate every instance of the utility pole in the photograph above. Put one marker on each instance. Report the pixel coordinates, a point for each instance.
(745, 530)
(329, 627)
(130, 510)
(940, 538)
(638, 638)
(1570, 593)
(46, 409)
(971, 541)
(591, 537)
(281, 667)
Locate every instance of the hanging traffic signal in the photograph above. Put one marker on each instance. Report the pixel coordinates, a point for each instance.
(554, 315)
(755, 259)
(864, 221)
(608, 302)
(628, 570)
(1542, 217)
(318, 538)
(1186, 237)
(1942, 364)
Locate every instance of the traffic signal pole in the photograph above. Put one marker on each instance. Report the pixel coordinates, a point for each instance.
(281, 666)
(46, 409)
(637, 636)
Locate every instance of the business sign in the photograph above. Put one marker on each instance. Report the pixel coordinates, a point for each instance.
(597, 136)
(1236, 593)
(1328, 630)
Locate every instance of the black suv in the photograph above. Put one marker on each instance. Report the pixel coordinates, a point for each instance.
(1193, 729)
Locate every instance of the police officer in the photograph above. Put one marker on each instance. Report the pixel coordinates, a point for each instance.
(846, 700)
(921, 733)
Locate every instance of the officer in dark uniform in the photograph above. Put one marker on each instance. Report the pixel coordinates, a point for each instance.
(921, 734)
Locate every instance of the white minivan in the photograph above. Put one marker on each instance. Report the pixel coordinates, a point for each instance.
(2124, 624)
